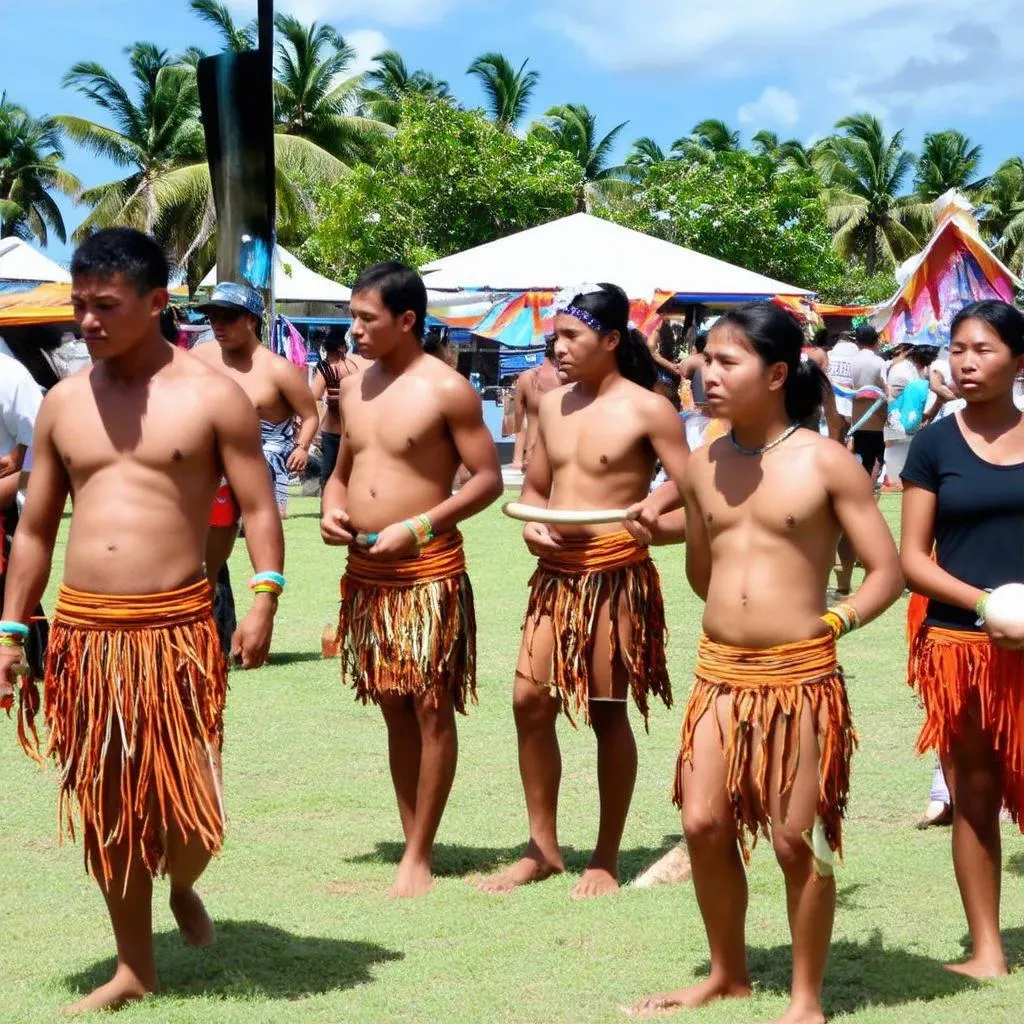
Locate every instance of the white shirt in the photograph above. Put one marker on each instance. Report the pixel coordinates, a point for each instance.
(867, 369)
(20, 398)
(840, 372)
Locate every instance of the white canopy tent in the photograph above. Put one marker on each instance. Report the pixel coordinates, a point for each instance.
(583, 248)
(294, 282)
(20, 262)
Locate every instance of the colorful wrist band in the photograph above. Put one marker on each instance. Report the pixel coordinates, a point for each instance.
(842, 619)
(834, 623)
(13, 628)
(9, 640)
(268, 577)
(428, 527)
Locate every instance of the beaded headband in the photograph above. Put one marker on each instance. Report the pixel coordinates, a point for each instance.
(564, 305)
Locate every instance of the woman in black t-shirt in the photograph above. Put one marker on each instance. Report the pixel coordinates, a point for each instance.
(964, 497)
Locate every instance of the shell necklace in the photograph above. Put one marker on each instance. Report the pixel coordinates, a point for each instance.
(788, 432)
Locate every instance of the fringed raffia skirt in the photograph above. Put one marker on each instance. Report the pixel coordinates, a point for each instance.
(570, 586)
(133, 701)
(956, 672)
(769, 689)
(408, 627)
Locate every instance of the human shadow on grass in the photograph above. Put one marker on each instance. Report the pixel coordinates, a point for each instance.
(250, 958)
(1013, 946)
(1015, 864)
(454, 860)
(293, 657)
(860, 974)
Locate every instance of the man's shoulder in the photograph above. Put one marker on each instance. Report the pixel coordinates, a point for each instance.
(203, 375)
(14, 374)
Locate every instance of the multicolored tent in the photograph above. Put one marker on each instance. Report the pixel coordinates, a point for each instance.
(46, 304)
(526, 318)
(954, 269)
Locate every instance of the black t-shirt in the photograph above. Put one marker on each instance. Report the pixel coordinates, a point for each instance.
(979, 517)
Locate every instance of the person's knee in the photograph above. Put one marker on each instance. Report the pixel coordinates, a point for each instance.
(978, 797)
(704, 829)
(791, 850)
(435, 714)
(533, 706)
(609, 717)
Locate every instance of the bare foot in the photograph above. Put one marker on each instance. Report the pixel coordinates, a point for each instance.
(980, 968)
(412, 879)
(594, 882)
(688, 998)
(125, 987)
(533, 866)
(193, 921)
(807, 1015)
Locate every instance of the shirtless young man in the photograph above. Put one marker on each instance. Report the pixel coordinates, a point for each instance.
(337, 364)
(135, 682)
(767, 737)
(406, 630)
(595, 624)
(531, 387)
(275, 387)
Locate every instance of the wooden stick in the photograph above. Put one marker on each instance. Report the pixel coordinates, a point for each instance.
(564, 516)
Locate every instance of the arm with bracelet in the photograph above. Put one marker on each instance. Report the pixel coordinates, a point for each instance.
(464, 419)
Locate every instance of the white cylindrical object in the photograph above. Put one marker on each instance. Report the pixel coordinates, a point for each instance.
(564, 516)
(1004, 609)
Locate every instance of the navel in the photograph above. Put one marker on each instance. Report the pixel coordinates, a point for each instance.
(790, 521)
(709, 517)
(177, 456)
(373, 492)
(67, 460)
(410, 443)
(604, 460)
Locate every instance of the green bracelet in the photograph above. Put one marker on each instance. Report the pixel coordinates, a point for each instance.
(981, 606)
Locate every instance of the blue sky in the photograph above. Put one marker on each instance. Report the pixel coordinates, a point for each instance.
(793, 66)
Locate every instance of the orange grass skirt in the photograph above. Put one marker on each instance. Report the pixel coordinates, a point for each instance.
(408, 627)
(769, 689)
(570, 586)
(957, 671)
(133, 697)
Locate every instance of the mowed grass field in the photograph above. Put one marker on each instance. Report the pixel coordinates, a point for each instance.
(305, 930)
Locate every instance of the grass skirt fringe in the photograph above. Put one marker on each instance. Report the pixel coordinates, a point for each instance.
(948, 668)
(409, 627)
(134, 693)
(769, 689)
(571, 585)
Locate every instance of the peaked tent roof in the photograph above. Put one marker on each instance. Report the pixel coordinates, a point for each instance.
(954, 269)
(582, 247)
(295, 282)
(20, 262)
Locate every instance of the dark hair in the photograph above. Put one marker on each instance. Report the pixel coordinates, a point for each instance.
(777, 338)
(169, 325)
(865, 336)
(549, 347)
(668, 390)
(1006, 320)
(610, 307)
(922, 355)
(400, 288)
(700, 343)
(435, 345)
(820, 339)
(33, 346)
(335, 338)
(125, 251)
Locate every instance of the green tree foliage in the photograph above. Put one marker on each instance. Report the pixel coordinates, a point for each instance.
(738, 209)
(508, 90)
(447, 181)
(31, 155)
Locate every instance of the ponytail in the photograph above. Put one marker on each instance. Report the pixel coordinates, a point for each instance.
(635, 360)
(805, 391)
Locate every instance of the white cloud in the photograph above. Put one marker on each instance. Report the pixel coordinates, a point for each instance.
(773, 107)
(387, 12)
(934, 55)
(367, 43)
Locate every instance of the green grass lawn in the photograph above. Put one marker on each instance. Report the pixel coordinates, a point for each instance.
(305, 930)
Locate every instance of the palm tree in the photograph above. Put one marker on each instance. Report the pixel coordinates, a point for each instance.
(157, 137)
(572, 128)
(314, 97)
(767, 144)
(31, 152)
(864, 171)
(793, 153)
(716, 136)
(235, 37)
(390, 80)
(643, 156)
(508, 91)
(1002, 213)
(947, 160)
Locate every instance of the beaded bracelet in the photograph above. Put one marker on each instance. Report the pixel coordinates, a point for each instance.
(981, 606)
(267, 583)
(16, 643)
(421, 528)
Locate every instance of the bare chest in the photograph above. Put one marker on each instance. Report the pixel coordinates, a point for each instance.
(167, 433)
(595, 440)
(781, 501)
(403, 422)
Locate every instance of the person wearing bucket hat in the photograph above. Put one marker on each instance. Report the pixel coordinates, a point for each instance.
(276, 388)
